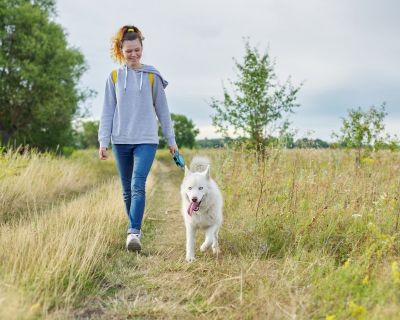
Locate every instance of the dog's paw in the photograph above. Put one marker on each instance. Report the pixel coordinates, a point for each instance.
(216, 250)
(190, 259)
(203, 247)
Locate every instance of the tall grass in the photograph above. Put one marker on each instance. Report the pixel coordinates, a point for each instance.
(32, 181)
(316, 214)
(54, 256)
(306, 235)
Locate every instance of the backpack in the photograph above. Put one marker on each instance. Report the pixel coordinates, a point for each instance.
(151, 78)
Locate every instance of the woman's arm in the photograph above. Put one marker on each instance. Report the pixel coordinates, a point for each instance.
(107, 115)
(162, 111)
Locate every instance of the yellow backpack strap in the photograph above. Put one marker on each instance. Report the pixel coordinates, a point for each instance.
(114, 76)
(151, 79)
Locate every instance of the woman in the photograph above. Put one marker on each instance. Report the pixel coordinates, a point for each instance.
(134, 95)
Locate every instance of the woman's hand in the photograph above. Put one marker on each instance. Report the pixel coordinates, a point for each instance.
(173, 148)
(103, 153)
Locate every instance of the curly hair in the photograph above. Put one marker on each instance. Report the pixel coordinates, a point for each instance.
(128, 32)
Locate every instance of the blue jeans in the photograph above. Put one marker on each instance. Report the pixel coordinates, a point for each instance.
(134, 162)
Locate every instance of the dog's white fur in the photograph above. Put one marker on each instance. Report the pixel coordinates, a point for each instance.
(197, 183)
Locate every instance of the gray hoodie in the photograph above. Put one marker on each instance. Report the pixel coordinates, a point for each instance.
(130, 108)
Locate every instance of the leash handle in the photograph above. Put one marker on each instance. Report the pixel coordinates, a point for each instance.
(178, 158)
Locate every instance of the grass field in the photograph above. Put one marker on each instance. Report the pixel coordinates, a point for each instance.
(306, 235)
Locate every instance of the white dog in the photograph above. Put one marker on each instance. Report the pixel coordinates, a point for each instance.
(201, 206)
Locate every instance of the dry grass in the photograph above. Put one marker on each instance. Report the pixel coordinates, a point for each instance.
(56, 255)
(306, 235)
(33, 181)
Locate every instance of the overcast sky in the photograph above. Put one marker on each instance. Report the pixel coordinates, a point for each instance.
(347, 53)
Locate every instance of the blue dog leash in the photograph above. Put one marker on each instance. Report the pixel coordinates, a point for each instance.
(178, 158)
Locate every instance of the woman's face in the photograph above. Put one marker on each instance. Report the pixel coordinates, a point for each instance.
(132, 52)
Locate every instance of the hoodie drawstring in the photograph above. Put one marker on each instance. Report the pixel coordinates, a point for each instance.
(126, 77)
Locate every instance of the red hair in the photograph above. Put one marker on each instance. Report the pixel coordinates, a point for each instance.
(128, 32)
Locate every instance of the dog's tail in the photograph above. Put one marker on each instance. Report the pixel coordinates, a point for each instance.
(199, 163)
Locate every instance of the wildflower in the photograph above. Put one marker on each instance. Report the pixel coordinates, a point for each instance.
(357, 311)
(368, 161)
(395, 273)
(330, 317)
(346, 264)
(365, 280)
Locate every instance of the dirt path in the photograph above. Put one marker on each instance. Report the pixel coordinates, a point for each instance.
(147, 285)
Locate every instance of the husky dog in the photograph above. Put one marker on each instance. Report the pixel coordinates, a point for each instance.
(201, 206)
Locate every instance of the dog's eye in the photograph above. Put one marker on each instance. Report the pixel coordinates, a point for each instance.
(190, 188)
(200, 188)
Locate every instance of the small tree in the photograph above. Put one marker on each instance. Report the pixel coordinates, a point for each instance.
(362, 130)
(258, 100)
(185, 132)
(87, 137)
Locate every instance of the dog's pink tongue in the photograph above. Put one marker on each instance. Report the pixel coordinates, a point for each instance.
(193, 206)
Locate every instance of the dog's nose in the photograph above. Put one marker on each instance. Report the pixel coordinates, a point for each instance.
(194, 199)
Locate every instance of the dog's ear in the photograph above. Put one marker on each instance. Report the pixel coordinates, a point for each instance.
(207, 172)
(187, 171)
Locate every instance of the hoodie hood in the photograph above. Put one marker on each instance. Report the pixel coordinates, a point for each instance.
(144, 69)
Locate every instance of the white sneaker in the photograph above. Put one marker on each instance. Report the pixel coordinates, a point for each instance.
(133, 242)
